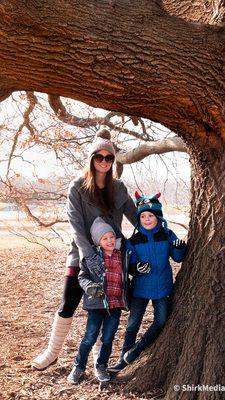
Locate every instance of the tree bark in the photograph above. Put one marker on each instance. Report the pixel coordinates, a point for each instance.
(131, 57)
(136, 58)
(191, 349)
(206, 11)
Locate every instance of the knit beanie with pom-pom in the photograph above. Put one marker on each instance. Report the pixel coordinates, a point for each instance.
(102, 142)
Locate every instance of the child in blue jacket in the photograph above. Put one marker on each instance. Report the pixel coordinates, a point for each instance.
(151, 246)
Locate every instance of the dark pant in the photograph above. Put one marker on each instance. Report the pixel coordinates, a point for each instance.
(71, 297)
(109, 323)
(137, 310)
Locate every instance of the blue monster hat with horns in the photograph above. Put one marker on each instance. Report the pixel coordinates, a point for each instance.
(152, 204)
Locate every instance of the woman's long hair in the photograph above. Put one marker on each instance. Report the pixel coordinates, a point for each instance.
(89, 185)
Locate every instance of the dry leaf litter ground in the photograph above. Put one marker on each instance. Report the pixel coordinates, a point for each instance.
(31, 283)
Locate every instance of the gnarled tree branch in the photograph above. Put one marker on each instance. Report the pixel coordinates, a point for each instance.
(64, 116)
(157, 147)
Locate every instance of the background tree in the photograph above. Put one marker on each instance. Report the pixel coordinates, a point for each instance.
(163, 61)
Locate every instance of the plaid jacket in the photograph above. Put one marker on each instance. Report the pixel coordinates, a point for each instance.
(114, 283)
(93, 270)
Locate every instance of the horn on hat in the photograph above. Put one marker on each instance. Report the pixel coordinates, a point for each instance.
(137, 195)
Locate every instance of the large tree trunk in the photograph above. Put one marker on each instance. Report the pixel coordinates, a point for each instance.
(191, 348)
(128, 56)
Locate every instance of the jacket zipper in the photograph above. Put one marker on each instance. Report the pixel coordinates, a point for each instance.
(125, 282)
(104, 300)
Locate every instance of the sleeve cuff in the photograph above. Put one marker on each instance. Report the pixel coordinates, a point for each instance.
(72, 271)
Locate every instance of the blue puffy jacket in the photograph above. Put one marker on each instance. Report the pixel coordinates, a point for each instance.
(154, 246)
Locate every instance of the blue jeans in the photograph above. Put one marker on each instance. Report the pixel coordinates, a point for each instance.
(109, 323)
(137, 310)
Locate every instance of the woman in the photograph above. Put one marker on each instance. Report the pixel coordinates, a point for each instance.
(96, 194)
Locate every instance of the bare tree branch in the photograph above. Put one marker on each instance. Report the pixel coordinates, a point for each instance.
(64, 116)
(33, 239)
(23, 206)
(179, 224)
(119, 169)
(32, 101)
(157, 147)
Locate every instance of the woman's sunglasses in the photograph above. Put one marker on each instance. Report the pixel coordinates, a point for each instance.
(99, 158)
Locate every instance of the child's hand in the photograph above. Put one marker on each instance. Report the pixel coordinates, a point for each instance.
(143, 267)
(179, 244)
(94, 290)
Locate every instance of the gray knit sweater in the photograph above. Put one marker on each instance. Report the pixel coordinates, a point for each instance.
(82, 213)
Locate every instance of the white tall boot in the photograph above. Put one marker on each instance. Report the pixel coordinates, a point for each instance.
(60, 329)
